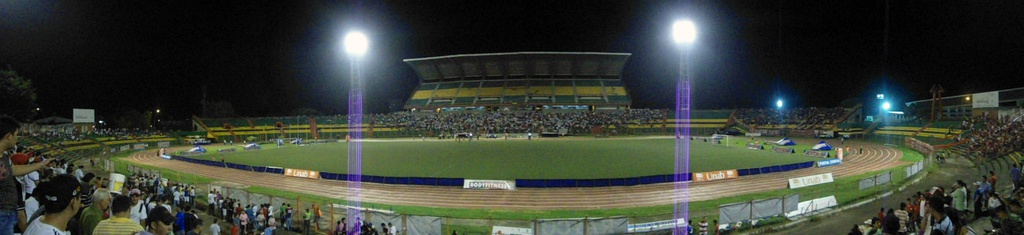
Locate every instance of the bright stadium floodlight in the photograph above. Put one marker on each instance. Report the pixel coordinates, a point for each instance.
(356, 43)
(684, 32)
(886, 106)
(778, 103)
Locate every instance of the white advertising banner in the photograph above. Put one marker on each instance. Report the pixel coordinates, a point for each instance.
(84, 115)
(985, 100)
(489, 184)
(655, 226)
(813, 205)
(810, 180)
(511, 230)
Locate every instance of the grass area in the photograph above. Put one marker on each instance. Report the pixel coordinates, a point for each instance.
(499, 159)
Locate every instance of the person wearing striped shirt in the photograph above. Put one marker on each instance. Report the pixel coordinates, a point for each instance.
(120, 223)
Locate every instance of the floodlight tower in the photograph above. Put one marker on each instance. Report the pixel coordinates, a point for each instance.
(684, 33)
(356, 45)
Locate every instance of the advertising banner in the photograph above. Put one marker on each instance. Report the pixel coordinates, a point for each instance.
(657, 225)
(125, 148)
(511, 230)
(164, 144)
(139, 146)
(815, 153)
(715, 175)
(489, 184)
(830, 162)
(783, 150)
(979, 100)
(754, 146)
(810, 180)
(228, 150)
(84, 115)
(302, 173)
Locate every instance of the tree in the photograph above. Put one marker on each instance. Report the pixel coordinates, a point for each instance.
(131, 119)
(17, 94)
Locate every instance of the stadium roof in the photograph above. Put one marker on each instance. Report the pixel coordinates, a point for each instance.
(520, 65)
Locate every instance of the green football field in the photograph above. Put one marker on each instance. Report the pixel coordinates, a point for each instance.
(580, 158)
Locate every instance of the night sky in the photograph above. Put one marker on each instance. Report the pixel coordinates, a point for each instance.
(270, 57)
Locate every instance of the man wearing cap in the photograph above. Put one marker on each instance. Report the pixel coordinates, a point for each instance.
(60, 198)
(139, 209)
(8, 193)
(119, 223)
(93, 214)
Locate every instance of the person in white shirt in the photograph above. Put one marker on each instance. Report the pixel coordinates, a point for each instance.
(31, 179)
(215, 228)
(177, 197)
(31, 206)
(61, 199)
(79, 173)
(139, 211)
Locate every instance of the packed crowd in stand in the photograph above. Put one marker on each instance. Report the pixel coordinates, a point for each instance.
(992, 137)
(797, 116)
(518, 121)
(943, 210)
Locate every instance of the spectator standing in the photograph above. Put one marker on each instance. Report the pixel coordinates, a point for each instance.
(1015, 176)
(93, 214)
(159, 222)
(60, 198)
(9, 198)
(215, 228)
(119, 223)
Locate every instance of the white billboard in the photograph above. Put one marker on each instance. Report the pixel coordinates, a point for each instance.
(84, 116)
(985, 100)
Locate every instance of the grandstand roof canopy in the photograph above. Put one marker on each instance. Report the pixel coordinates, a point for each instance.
(520, 65)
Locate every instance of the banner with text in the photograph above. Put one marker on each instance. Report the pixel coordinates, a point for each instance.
(83, 115)
(302, 173)
(755, 146)
(139, 146)
(511, 230)
(810, 180)
(489, 184)
(830, 162)
(783, 150)
(164, 144)
(125, 148)
(815, 153)
(655, 226)
(813, 205)
(985, 100)
(715, 175)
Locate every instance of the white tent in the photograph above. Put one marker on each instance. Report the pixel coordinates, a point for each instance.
(822, 146)
(785, 142)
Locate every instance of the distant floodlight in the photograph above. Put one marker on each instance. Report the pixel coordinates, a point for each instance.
(886, 106)
(880, 96)
(158, 111)
(968, 99)
(356, 43)
(684, 31)
(778, 103)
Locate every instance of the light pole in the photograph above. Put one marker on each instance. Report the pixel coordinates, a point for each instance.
(684, 33)
(356, 46)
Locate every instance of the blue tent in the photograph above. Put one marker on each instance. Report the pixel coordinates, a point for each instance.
(197, 149)
(785, 142)
(822, 146)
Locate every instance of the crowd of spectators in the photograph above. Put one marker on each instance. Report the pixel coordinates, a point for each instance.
(942, 210)
(989, 136)
(517, 121)
(799, 116)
